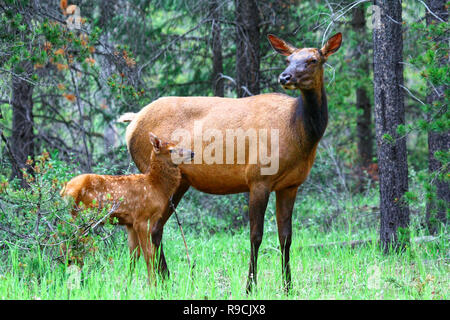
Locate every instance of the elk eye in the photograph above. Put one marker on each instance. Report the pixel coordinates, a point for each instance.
(313, 61)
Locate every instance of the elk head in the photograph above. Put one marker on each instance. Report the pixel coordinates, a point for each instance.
(304, 66)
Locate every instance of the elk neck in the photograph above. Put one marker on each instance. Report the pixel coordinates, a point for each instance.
(311, 115)
(167, 176)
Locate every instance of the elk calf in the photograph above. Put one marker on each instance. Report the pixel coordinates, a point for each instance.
(143, 197)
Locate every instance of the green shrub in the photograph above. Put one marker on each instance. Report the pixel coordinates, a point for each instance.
(36, 221)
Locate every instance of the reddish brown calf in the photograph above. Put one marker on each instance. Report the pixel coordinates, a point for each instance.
(144, 198)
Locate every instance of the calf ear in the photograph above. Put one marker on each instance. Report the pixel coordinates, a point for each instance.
(280, 46)
(332, 45)
(156, 142)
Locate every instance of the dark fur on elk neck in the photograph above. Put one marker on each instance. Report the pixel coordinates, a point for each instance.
(312, 114)
(164, 173)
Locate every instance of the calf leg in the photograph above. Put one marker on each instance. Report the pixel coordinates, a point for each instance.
(157, 232)
(285, 204)
(259, 196)
(143, 231)
(133, 245)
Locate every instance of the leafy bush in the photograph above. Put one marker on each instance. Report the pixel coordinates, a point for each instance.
(37, 219)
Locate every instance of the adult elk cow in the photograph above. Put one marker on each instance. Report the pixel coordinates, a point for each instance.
(301, 123)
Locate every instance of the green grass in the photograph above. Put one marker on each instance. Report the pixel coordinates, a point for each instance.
(221, 265)
(221, 255)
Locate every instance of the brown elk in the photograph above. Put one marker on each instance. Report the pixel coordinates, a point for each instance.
(301, 123)
(143, 198)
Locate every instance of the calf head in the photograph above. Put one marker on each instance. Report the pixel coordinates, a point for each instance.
(169, 152)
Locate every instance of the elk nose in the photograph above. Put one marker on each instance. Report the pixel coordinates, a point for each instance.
(285, 77)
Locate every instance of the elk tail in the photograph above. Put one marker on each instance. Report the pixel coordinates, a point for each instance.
(127, 117)
(63, 190)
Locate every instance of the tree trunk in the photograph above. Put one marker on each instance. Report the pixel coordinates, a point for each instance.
(389, 113)
(363, 127)
(364, 119)
(247, 56)
(107, 12)
(109, 139)
(437, 207)
(247, 47)
(437, 141)
(216, 44)
(22, 125)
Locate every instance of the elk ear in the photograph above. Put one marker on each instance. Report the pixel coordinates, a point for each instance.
(332, 45)
(63, 6)
(156, 142)
(280, 46)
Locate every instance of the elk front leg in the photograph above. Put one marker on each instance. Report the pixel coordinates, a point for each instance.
(259, 196)
(157, 230)
(285, 204)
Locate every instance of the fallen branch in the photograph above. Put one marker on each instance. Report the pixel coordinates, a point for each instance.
(353, 244)
(111, 211)
(356, 243)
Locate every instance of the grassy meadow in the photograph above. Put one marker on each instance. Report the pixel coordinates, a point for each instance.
(221, 256)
